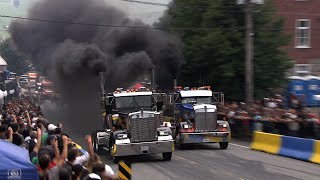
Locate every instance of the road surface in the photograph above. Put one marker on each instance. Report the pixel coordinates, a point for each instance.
(209, 162)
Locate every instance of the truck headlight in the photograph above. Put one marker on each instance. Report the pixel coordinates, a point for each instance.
(122, 136)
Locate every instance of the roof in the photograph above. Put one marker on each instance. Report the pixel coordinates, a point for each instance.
(17, 164)
(196, 93)
(132, 94)
(3, 62)
(312, 77)
(296, 78)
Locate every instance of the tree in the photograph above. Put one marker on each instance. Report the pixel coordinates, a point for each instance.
(214, 46)
(16, 62)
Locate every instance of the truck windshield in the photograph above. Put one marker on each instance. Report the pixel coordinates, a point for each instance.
(133, 101)
(196, 100)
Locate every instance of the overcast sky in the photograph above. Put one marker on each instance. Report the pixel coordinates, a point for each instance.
(148, 13)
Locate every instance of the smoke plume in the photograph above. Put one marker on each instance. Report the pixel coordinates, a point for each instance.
(79, 44)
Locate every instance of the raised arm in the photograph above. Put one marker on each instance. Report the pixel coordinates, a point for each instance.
(28, 119)
(90, 147)
(10, 134)
(54, 144)
(39, 138)
(64, 154)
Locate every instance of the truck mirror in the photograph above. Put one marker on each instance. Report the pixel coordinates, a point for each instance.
(109, 109)
(160, 105)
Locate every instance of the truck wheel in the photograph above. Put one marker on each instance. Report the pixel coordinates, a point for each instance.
(223, 145)
(115, 159)
(97, 149)
(167, 156)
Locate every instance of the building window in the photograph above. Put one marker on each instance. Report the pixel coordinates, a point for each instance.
(303, 33)
(302, 69)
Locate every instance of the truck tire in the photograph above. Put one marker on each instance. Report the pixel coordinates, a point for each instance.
(167, 156)
(115, 159)
(223, 145)
(96, 147)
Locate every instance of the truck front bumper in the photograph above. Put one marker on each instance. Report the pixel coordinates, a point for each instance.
(205, 137)
(143, 148)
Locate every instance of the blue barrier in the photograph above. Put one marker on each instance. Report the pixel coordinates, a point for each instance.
(299, 148)
(296, 147)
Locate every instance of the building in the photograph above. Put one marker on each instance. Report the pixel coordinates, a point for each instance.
(303, 23)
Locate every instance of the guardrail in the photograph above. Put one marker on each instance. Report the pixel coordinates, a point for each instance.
(298, 148)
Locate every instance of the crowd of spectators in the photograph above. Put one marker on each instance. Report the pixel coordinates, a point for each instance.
(275, 115)
(51, 150)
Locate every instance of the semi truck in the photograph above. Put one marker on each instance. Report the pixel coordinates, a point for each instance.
(195, 117)
(133, 125)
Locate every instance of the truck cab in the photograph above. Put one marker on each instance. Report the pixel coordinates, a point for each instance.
(133, 126)
(195, 117)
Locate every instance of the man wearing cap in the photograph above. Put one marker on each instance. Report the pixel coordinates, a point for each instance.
(51, 128)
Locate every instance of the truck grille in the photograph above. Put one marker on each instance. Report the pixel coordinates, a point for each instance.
(143, 129)
(206, 121)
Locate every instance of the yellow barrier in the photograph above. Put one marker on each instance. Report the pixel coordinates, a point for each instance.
(266, 142)
(316, 153)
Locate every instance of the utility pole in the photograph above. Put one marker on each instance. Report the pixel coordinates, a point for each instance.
(249, 55)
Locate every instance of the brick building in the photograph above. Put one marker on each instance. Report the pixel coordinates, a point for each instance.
(303, 23)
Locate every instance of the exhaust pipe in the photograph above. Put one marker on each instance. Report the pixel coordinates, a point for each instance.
(174, 83)
(153, 79)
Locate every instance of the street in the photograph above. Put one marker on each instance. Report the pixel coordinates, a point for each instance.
(209, 162)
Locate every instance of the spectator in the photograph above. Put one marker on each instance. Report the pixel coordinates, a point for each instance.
(3, 130)
(17, 138)
(78, 172)
(64, 174)
(31, 140)
(45, 160)
(23, 130)
(6, 133)
(23, 125)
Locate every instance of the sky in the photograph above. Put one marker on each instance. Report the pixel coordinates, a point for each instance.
(148, 13)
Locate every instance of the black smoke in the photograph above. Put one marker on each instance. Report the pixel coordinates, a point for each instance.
(79, 44)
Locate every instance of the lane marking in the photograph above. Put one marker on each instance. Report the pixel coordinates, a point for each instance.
(240, 145)
(181, 158)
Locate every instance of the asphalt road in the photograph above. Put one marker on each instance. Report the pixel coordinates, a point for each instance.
(209, 162)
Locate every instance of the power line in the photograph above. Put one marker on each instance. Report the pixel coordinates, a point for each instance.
(148, 3)
(199, 8)
(140, 27)
(106, 25)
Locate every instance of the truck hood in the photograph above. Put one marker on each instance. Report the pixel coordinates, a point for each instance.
(198, 106)
(127, 111)
(210, 107)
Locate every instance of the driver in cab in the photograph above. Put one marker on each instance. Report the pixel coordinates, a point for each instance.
(118, 123)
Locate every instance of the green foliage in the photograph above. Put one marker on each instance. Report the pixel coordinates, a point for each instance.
(16, 62)
(214, 46)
